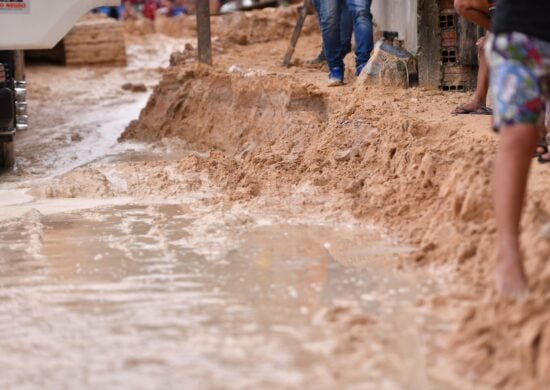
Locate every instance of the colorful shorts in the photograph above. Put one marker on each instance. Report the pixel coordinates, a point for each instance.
(520, 78)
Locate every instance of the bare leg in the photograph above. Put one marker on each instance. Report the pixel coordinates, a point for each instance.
(476, 11)
(479, 100)
(510, 180)
(482, 73)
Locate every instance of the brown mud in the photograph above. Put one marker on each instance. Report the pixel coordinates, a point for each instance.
(262, 135)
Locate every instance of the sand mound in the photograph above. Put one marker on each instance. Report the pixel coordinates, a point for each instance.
(261, 26)
(422, 177)
(192, 103)
(239, 27)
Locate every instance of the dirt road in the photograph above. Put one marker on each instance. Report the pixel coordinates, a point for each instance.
(253, 228)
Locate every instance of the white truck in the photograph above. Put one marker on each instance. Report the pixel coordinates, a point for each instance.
(29, 24)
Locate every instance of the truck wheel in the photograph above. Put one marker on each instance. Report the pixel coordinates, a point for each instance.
(7, 110)
(7, 152)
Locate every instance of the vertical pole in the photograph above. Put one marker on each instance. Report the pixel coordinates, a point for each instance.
(302, 14)
(203, 32)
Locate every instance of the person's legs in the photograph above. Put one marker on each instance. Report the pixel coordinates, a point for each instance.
(478, 103)
(362, 26)
(482, 73)
(330, 29)
(346, 30)
(321, 57)
(517, 63)
(476, 11)
(317, 6)
(510, 180)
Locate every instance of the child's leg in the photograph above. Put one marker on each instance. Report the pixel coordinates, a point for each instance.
(510, 180)
(479, 100)
(517, 62)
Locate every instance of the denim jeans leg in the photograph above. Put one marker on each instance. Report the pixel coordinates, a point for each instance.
(317, 6)
(362, 22)
(330, 29)
(346, 30)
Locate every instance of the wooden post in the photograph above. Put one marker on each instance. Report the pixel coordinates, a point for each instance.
(203, 32)
(302, 13)
(430, 73)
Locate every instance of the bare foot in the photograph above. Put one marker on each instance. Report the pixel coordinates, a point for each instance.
(510, 279)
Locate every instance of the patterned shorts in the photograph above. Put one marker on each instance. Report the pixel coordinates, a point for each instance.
(520, 78)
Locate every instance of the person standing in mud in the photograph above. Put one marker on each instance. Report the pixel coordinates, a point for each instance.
(519, 61)
(346, 31)
(478, 12)
(330, 15)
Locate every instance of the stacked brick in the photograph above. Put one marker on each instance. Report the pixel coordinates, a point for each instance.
(458, 50)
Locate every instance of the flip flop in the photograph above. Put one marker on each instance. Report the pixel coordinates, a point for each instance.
(543, 145)
(483, 110)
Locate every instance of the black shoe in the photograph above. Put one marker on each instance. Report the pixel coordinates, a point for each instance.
(319, 60)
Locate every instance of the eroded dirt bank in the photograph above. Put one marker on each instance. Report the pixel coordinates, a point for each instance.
(399, 159)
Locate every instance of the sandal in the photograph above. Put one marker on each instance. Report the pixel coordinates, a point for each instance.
(482, 110)
(544, 146)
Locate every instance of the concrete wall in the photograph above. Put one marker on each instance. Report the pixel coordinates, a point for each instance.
(400, 16)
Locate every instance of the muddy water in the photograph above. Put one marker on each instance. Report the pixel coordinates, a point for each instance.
(179, 296)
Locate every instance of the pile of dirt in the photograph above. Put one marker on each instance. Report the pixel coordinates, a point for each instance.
(250, 105)
(260, 26)
(241, 28)
(425, 175)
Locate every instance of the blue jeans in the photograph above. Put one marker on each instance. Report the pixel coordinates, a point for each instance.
(346, 27)
(331, 20)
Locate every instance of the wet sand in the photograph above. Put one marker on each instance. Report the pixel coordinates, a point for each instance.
(258, 229)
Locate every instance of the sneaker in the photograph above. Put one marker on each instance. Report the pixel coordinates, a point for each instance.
(336, 77)
(317, 61)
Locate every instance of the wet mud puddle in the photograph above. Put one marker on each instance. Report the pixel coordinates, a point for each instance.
(173, 296)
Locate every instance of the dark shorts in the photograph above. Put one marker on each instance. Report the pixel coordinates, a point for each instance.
(520, 78)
